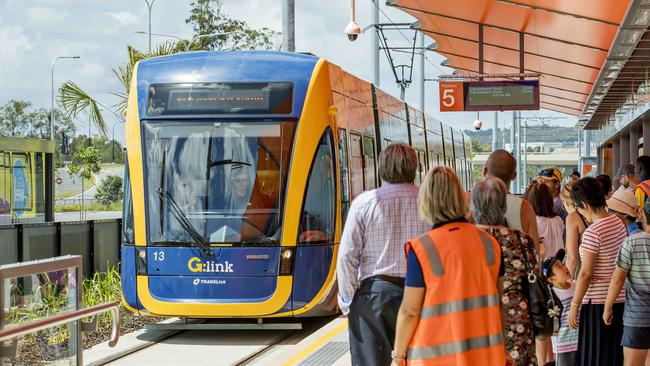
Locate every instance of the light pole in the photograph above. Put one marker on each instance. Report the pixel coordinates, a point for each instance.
(149, 5)
(52, 106)
(187, 45)
(113, 140)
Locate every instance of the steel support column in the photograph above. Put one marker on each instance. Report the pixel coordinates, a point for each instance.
(495, 132)
(422, 71)
(616, 156)
(374, 44)
(646, 136)
(288, 26)
(634, 144)
(624, 145)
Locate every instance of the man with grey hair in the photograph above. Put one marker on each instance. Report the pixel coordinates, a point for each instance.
(371, 261)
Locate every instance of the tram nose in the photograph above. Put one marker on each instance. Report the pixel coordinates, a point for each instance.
(232, 274)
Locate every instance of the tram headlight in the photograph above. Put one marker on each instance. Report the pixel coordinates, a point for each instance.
(286, 261)
(141, 262)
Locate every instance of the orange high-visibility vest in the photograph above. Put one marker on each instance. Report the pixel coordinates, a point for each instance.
(460, 322)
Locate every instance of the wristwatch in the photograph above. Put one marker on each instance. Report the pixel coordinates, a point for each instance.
(397, 357)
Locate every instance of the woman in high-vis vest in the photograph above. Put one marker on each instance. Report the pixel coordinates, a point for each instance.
(450, 313)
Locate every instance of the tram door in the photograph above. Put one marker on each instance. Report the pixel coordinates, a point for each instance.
(356, 165)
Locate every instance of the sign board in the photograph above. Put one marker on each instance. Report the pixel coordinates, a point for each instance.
(489, 95)
(452, 96)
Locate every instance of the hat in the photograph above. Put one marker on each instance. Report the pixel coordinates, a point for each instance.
(625, 169)
(547, 264)
(624, 202)
(550, 172)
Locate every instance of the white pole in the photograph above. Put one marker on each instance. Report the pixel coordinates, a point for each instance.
(422, 70)
(374, 42)
(525, 154)
(149, 5)
(288, 25)
(495, 132)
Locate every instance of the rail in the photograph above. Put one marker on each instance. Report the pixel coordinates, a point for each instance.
(53, 321)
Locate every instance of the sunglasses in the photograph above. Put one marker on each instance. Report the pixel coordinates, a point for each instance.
(546, 173)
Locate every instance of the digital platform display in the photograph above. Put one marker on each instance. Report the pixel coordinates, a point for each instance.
(502, 95)
(220, 98)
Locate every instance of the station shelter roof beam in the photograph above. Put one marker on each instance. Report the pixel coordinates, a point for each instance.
(566, 41)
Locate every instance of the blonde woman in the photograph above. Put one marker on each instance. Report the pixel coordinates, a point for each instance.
(451, 284)
(576, 224)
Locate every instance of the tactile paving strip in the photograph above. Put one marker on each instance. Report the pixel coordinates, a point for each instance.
(326, 355)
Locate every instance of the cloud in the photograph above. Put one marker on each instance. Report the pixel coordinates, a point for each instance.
(124, 17)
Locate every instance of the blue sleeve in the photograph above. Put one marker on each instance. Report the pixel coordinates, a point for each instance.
(414, 276)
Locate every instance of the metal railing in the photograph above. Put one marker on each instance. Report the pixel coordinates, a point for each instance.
(60, 319)
(70, 287)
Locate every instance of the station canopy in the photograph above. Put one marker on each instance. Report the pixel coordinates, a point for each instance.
(574, 45)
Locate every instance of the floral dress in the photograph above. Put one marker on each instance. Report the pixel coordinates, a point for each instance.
(518, 332)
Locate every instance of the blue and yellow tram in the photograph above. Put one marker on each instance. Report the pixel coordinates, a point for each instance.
(241, 168)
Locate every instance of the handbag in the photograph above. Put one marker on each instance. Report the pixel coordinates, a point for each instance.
(544, 306)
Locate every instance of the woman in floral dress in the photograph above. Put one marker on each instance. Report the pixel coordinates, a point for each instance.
(488, 209)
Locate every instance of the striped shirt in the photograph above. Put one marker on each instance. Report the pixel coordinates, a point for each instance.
(634, 258)
(379, 223)
(603, 238)
(566, 339)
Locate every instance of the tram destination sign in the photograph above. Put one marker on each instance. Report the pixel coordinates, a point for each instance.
(220, 98)
(489, 95)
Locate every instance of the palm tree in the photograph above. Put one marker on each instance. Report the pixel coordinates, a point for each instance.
(75, 100)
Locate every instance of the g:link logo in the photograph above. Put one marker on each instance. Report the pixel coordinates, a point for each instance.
(196, 265)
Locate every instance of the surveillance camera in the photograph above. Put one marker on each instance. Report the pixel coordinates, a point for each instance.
(478, 124)
(353, 30)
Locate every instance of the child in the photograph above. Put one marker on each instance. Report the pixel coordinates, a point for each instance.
(565, 343)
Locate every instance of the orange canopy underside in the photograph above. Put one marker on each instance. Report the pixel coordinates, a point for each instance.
(566, 41)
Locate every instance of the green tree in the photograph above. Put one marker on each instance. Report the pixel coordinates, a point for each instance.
(477, 147)
(207, 17)
(17, 118)
(84, 165)
(109, 190)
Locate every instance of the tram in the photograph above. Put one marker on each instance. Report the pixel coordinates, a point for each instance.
(241, 168)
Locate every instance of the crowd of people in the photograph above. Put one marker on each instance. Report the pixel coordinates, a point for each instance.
(438, 276)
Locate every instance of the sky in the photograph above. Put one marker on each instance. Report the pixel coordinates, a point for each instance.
(34, 32)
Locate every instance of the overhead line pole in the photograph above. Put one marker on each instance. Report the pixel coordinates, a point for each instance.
(422, 71)
(289, 25)
(375, 44)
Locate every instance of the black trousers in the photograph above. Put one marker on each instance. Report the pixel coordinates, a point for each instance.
(372, 321)
(600, 344)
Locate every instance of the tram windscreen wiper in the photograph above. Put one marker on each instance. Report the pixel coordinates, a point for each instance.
(185, 223)
(227, 162)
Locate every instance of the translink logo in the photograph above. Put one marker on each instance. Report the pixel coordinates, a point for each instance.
(196, 265)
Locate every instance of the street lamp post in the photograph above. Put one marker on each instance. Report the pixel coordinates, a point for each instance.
(113, 140)
(149, 5)
(52, 106)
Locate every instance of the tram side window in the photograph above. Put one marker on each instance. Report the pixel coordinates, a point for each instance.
(343, 161)
(318, 213)
(369, 156)
(127, 215)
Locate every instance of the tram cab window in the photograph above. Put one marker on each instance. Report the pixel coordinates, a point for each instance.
(317, 221)
(343, 161)
(127, 212)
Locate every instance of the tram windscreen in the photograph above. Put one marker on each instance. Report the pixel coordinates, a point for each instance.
(220, 98)
(227, 179)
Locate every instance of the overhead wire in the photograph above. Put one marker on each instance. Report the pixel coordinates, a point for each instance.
(404, 35)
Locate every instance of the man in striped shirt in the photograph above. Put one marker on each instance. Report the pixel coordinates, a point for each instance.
(371, 262)
(633, 263)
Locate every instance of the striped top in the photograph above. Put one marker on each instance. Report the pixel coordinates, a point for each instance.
(603, 237)
(634, 259)
(566, 339)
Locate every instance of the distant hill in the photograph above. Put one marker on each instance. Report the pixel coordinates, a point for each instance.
(535, 134)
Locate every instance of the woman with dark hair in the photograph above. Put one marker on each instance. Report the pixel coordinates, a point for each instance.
(598, 343)
(550, 227)
(605, 182)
